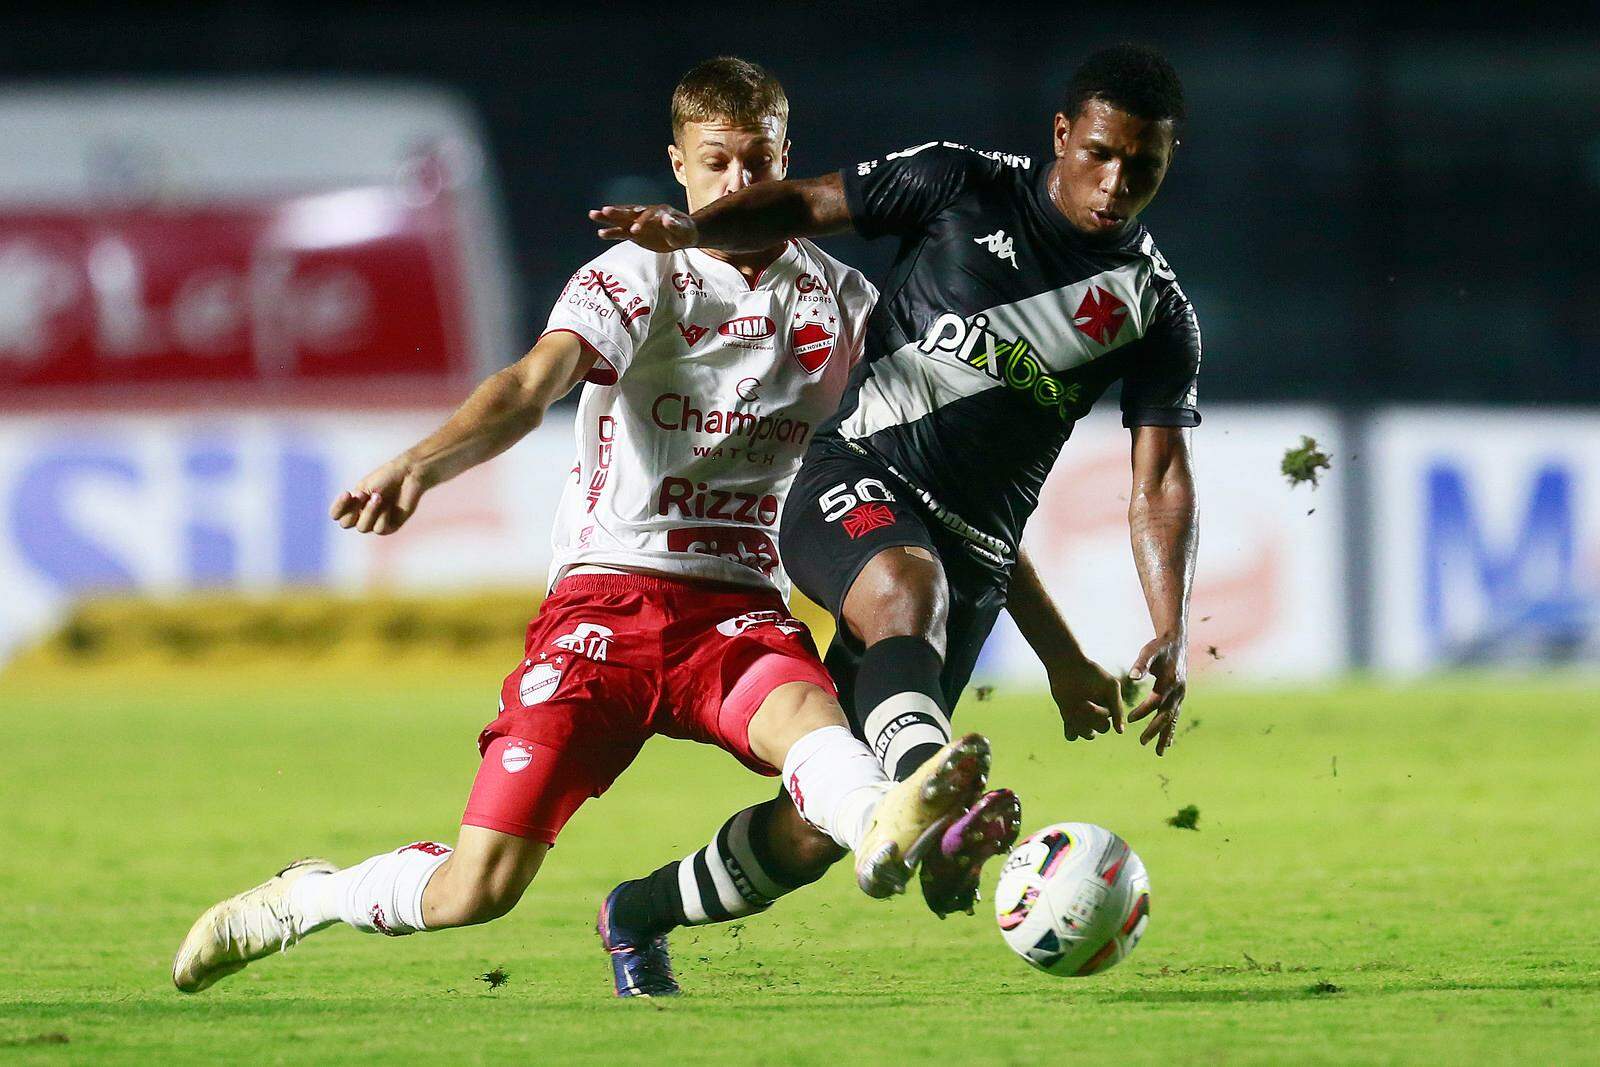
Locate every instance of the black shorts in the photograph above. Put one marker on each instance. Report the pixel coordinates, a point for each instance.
(844, 508)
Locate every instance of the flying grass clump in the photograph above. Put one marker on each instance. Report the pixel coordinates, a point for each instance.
(1188, 818)
(495, 978)
(1303, 464)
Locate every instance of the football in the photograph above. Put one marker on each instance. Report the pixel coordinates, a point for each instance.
(1073, 899)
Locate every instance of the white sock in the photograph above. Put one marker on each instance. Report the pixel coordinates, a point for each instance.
(378, 895)
(836, 783)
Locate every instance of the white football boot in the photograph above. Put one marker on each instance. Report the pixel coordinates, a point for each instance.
(253, 924)
(911, 816)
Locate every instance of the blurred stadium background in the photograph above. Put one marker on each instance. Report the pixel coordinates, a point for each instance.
(248, 251)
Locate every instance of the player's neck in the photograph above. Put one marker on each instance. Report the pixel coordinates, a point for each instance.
(749, 264)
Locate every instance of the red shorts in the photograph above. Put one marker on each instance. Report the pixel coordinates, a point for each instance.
(613, 659)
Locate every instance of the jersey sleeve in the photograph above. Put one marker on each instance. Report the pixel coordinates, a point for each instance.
(902, 192)
(1160, 386)
(857, 298)
(607, 304)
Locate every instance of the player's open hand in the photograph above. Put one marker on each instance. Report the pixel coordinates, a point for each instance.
(1089, 699)
(658, 227)
(1165, 661)
(382, 501)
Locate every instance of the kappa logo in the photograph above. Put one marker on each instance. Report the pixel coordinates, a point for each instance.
(1101, 315)
(589, 639)
(1001, 245)
(692, 333)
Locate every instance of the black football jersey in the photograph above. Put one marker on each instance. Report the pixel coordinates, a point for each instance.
(998, 327)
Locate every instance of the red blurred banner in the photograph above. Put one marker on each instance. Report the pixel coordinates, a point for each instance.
(362, 282)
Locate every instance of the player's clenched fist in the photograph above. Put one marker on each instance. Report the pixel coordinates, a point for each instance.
(658, 227)
(382, 501)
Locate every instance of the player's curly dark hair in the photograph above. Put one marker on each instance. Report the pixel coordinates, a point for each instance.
(1136, 78)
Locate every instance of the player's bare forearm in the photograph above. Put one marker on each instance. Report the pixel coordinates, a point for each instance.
(1038, 619)
(504, 408)
(1087, 696)
(757, 217)
(770, 213)
(1163, 525)
(1163, 528)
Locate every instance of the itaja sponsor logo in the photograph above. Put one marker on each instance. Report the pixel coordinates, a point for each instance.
(748, 331)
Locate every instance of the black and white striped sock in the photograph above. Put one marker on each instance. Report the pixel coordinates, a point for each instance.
(734, 876)
(901, 701)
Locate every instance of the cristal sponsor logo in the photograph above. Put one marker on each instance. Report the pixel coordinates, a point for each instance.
(678, 412)
(742, 545)
(739, 624)
(748, 328)
(692, 333)
(1001, 245)
(515, 758)
(698, 500)
(599, 283)
(1101, 315)
(1009, 362)
(589, 639)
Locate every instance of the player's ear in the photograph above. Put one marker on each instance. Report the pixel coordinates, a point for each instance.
(1060, 133)
(676, 158)
(783, 159)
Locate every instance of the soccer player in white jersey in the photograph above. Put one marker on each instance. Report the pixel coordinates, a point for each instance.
(706, 374)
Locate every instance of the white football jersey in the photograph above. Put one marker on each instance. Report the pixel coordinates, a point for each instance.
(704, 399)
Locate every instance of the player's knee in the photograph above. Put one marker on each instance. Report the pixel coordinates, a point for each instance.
(901, 592)
(481, 901)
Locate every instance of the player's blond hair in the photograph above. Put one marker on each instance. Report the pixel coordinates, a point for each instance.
(731, 88)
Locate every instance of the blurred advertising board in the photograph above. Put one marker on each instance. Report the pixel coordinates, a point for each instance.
(238, 500)
(264, 237)
(1269, 592)
(1486, 537)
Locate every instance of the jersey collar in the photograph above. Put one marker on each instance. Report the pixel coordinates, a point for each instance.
(773, 271)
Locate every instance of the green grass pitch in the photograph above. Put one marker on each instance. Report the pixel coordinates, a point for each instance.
(1378, 875)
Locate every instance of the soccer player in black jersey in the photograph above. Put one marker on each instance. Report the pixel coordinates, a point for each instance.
(1022, 289)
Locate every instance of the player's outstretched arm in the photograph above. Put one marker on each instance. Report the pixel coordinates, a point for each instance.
(757, 217)
(503, 409)
(1089, 699)
(1165, 534)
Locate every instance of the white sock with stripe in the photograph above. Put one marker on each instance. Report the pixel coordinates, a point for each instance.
(380, 895)
(835, 783)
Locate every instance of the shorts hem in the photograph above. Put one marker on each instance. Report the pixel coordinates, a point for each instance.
(506, 826)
